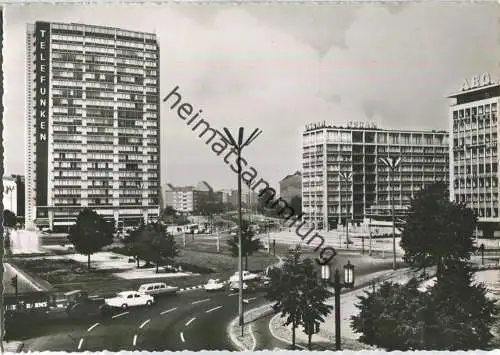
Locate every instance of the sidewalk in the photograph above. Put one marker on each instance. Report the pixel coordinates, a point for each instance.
(12, 346)
(348, 308)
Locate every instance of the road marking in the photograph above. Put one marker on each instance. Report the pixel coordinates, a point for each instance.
(213, 309)
(168, 310)
(182, 337)
(92, 327)
(205, 300)
(119, 315)
(254, 341)
(135, 340)
(143, 324)
(232, 294)
(251, 299)
(190, 321)
(80, 344)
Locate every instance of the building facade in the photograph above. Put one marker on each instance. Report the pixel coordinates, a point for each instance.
(474, 172)
(188, 199)
(291, 186)
(10, 194)
(327, 199)
(92, 123)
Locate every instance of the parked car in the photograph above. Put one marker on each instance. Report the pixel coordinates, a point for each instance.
(157, 288)
(247, 276)
(214, 285)
(127, 299)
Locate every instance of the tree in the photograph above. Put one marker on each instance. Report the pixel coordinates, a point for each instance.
(463, 315)
(155, 244)
(9, 218)
(132, 241)
(299, 294)
(436, 229)
(90, 233)
(249, 244)
(296, 205)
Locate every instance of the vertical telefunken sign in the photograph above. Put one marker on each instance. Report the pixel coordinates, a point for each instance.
(42, 52)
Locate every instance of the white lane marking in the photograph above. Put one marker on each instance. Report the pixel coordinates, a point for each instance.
(213, 309)
(205, 300)
(168, 310)
(182, 337)
(232, 294)
(251, 299)
(119, 315)
(190, 321)
(92, 327)
(80, 344)
(135, 340)
(143, 324)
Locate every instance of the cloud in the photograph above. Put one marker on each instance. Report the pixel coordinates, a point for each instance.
(279, 67)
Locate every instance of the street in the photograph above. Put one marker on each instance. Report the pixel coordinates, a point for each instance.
(194, 320)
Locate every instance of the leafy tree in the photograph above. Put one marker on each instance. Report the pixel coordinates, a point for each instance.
(296, 204)
(9, 218)
(132, 242)
(436, 229)
(90, 233)
(155, 244)
(249, 244)
(463, 316)
(298, 293)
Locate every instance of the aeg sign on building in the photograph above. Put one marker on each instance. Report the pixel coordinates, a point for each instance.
(92, 123)
(474, 173)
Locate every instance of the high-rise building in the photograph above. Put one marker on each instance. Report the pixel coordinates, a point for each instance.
(474, 172)
(356, 150)
(92, 123)
(291, 186)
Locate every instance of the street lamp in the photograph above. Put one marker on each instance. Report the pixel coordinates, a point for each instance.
(392, 163)
(346, 177)
(348, 282)
(238, 147)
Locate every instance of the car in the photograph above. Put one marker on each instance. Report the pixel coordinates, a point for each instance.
(214, 285)
(247, 276)
(157, 288)
(235, 286)
(127, 299)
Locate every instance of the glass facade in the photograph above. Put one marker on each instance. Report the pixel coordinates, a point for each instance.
(327, 199)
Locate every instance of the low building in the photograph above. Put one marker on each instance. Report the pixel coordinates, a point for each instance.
(291, 186)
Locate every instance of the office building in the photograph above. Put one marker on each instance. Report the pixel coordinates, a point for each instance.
(189, 199)
(92, 123)
(474, 170)
(291, 186)
(327, 199)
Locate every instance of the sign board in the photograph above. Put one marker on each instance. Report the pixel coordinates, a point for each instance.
(42, 52)
(477, 81)
(324, 124)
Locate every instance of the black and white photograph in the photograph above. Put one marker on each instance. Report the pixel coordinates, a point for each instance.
(249, 176)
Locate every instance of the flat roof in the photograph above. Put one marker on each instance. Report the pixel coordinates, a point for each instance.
(465, 92)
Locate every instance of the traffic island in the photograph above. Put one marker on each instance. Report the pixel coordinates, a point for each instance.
(247, 342)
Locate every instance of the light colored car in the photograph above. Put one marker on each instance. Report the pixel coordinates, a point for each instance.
(127, 299)
(247, 276)
(214, 285)
(157, 288)
(235, 286)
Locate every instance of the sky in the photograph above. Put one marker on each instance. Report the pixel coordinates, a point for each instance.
(278, 67)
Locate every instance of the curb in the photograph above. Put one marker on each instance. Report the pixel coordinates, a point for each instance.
(286, 341)
(29, 279)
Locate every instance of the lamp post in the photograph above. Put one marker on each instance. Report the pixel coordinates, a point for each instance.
(238, 146)
(348, 282)
(481, 250)
(392, 163)
(346, 177)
